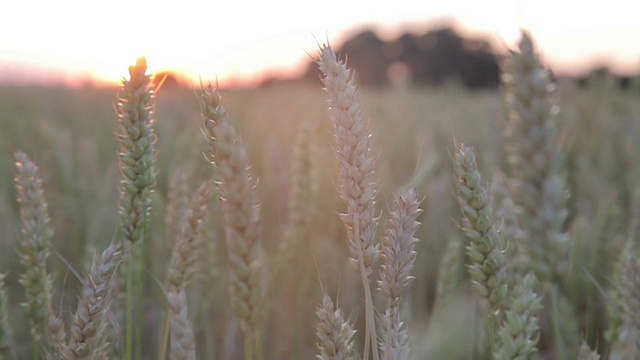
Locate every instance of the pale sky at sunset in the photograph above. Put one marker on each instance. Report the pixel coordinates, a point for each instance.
(239, 39)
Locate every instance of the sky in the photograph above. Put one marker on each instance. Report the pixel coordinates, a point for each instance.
(238, 40)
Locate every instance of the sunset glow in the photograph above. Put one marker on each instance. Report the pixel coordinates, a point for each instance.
(71, 40)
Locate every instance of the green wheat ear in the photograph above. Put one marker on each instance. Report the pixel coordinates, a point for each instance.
(137, 156)
(486, 247)
(37, 232)
(535, 159)
(137, 138)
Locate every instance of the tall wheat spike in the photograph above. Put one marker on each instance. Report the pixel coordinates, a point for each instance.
(241, 215)
(357, 181)
(87, 327)
(539, 186)
(37, 232)
(488, 267)
(137, 155)
(355, 161)
(137, 138)
(187, 250)
(398, 257)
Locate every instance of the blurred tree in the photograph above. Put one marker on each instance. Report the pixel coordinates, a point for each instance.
(432, 58)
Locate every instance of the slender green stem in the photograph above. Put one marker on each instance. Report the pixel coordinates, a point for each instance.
(209, 346)
(134, 309)
(139, 292)
(259, 353)
(129, 306)
(248, 345)
(164, 341)
(557, 333)
(491, 330)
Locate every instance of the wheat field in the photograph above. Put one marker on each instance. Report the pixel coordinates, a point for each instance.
(295, 222)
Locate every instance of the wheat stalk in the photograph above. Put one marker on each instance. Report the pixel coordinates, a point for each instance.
(138, 167)
(241, 214)
(451, 270)
(398, 257)
(287, 289)
(539, 188)
(34, 247)
(187, 249)
(535, 159)
(357, 187)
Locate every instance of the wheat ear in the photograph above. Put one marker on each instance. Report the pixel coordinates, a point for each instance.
(177, 204)
(355, 161)
(241, 214)
(518, 335)
(539, 188)
(34, 247)
(398, 257)
(486, 249)
(487, 267)
(334, 332)
(87, 326)
(303, 184)
(187, 249)
(586, 353)
(536, 164)
(137, 139)
(182, 340)
(57, 339)
(188, 246)
(137, 156)
(357, 184)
